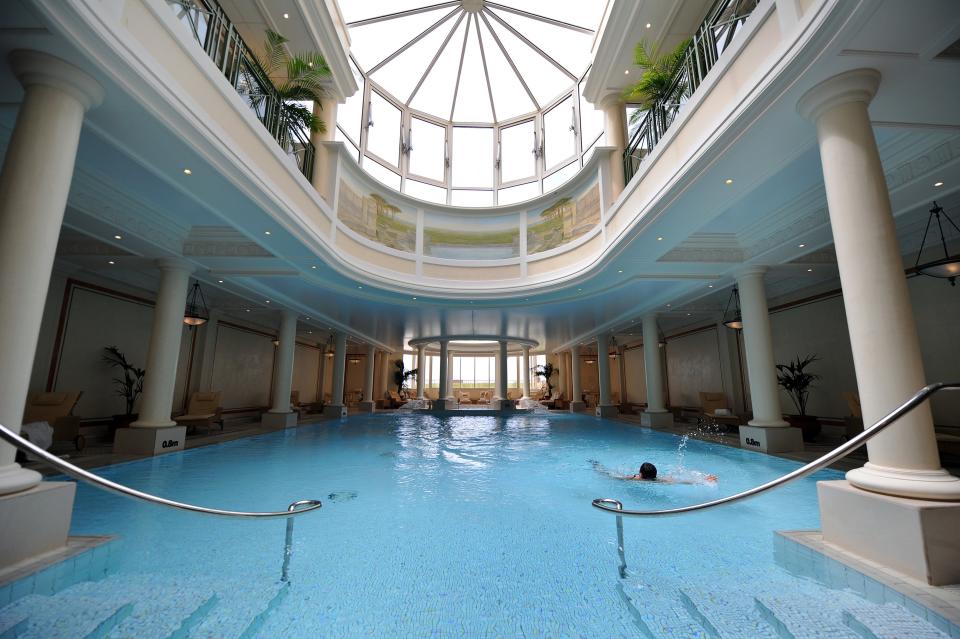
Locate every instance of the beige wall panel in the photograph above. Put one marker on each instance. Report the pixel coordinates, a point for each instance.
(306, 368)
(242, 367)
(636, 379)
(184, 367)
(96, 320)
(473, 273)
(693, 366)
(372, 256)
(588, 249)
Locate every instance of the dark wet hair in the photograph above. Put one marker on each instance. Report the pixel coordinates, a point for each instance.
(648, 471)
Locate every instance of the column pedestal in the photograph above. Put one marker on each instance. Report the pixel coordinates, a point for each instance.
(149, 441)
(367, 406)
(577, 406)
(771, 439)
(912, 536)
(34, 521)
(443, 403)
(607, 410)
(279, 420)
(656, 419)
(335, 410)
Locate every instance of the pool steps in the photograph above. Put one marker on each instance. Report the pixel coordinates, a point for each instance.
(195, 608)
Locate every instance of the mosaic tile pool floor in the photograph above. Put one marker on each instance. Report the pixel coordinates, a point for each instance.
(462, 526)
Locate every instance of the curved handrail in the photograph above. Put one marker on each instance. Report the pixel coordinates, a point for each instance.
(105, 484)
(835, 454)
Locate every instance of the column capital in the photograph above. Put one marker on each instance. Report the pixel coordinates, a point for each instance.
(858, 85)
(38, 68)
(609, 100)
(174, 264)
(750, 272)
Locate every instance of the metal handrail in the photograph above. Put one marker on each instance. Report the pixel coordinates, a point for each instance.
(840, 451)
(103, 483)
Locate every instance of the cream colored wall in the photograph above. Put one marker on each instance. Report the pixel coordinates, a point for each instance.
(636, 379)
(306, 369)
(693, 366)
(243, 367)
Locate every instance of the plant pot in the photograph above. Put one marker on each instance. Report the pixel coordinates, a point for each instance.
(808, 424)
(121, 421)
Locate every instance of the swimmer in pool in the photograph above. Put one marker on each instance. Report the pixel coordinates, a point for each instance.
(648, 472)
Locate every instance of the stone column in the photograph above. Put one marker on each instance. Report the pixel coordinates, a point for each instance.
(525, 373)
(421, 370)
(615, 135)
(33, 194)
(324, 163)
(164, 350)
(904, 459)
(336, 407)
(576, 400)
(622, 372)
(656, 413)
(280, 414)
(209, 349)
(502, 374)
(386, 367)
(604, 408)
(444, 390)
(450, 377)
(367, 405)
(322, 380)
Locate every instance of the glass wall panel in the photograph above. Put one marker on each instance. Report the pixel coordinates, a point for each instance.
(558, 134)
(471, 198)
(516, 152)
(472, 157)
(383, 136)
(350, 113)
(382, 174)
(556, 179)
(513, 369)
(340, 136)
(519, 193)
(426, 192)
(426, 156)
(434, 370)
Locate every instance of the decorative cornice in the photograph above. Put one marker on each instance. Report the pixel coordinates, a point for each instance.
(858, 85)
(221, 241)
(37, 68)
(923, 164)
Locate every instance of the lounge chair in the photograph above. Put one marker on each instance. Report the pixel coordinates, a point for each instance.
(394, 399)
(203, 410)
(484, 397)
(463, 397)
(56, 409)
(551, 403)
(714, 409)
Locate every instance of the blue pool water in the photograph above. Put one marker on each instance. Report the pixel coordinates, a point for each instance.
(473, 526)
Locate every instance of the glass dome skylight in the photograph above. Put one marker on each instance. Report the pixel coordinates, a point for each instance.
(471, 102)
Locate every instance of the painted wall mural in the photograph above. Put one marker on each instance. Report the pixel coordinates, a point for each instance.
(472, 238)
(564, 221)
(375, 218)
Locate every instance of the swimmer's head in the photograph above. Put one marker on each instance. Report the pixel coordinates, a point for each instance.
(648, 471)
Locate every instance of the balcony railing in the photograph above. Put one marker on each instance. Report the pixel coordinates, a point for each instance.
(220, 40)
(714, 35)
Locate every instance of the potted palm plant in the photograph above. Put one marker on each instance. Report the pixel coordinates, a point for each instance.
(129, 386)
(546, 371)
(660, 80)
(797, 381)
(298, 79)
(402, 375)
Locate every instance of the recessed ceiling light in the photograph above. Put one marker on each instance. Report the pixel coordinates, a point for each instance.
(187, 172)
(620, 271)
(359, 287)
(307, 318)
(668, 305)
(413, 298)
(219, 281)
(660, 239)
(938, 183)
(800, 245)
(267, 301)
(309, 332)
(247, 310)
(648, 25)
(314, 267)
(286, 16)
(267, 233)
(809, 270)
(118, 237)
(110, 262)
(728, 181)
(688, 314)
(626, 72)
(709, 285)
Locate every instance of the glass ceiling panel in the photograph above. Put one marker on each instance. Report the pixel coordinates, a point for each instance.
(473, 99)
(544, 79)
(371, 43)
(354, 10)
(510, 99)
(575, 44)
(435, 95)
(585, 14)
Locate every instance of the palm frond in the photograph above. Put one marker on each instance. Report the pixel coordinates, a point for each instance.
(274, 52)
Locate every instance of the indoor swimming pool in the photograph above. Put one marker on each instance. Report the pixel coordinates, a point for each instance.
(462, 526)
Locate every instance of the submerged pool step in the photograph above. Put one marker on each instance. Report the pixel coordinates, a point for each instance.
(803, 618)
(66, 614)
(243, 609)
(889, 621)
(725, 615)
(661, 614)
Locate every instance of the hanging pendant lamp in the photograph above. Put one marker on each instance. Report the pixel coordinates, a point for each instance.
(734, 322)
(947, 268)
(196, 313)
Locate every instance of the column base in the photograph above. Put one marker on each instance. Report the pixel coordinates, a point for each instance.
(149, 441)
(912, 536)
(279, 420)
(656, 420)
(14, 478)
(367, 406)
(918, 484)
(336, 411)
(443, 404)
(771, 439)
(576, 407)
(35, 521)
(607, 410)
(504, 404)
